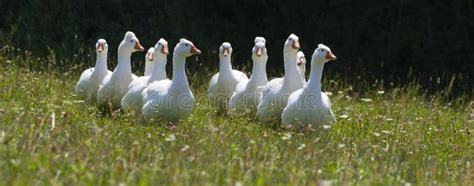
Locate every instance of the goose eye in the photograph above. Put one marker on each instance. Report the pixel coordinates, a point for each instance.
(131, 40)
(186, 44)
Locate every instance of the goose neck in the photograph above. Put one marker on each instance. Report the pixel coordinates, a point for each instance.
(148, 67)
(101, 63)
(293, 79)
(290, 60)
(225, 65)
(258, 71)
(179, 73)
(314, 82)
(159, 68)
(124, 61)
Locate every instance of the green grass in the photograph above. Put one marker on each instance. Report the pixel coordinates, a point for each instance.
(396, 137)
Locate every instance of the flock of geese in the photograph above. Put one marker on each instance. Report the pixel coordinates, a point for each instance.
(289, 100)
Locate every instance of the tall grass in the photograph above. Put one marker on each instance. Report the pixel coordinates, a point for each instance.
(383, 136)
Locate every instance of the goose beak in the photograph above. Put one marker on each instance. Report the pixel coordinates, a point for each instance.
(164, 49)
(100, 48)
(149, 56)
(195, 50)
(330, 56)
(296, 44)
(139, 47)
(259, 52)
(225, 52)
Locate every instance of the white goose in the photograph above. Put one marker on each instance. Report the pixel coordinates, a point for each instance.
(223, 83)
(115, 85)
(149, 61)
(132, 101)
(247, 93)
(310, 106)
(301, 62)
(275, 94)
(88, 84)
(171, 100)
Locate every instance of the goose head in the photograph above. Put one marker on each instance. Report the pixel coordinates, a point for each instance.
(292, 43)
(161, 48)
(323, 54)
(130, 43)
(260, 39)
(301, 62)
(101, 47)
(149, 55)
(259, 52)
(225, 50)
(185, 48)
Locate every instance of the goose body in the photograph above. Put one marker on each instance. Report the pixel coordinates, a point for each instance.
(275, 94)
(171, 100)
(115, 85)
(132, 101)
(309, 106)
(223, 84)
(90, 79)
(247, 92)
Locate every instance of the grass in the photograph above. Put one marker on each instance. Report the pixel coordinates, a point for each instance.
(396, 136)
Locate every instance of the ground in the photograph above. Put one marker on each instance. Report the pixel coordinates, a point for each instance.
(394, 136)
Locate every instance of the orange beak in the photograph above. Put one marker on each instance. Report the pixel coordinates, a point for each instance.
(195, 50)
(225, 52)
(330, 56)
(139, 47)
(100, 48)
(259, 52)
(164, 49)
(149, 56)
(296, 44)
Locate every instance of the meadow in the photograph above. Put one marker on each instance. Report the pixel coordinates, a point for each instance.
(384, 136)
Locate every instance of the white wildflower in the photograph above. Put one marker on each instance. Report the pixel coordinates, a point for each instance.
(366, 100)
(301, 147)
(287, 136)
(344, 116)
(185, 148)
(171, 137)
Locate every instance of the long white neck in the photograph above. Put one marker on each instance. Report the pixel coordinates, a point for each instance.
(293, 79)
(314, 82)
(179, 73)
(148, 67)
(101, 63)
(123, 61)
(159, 68)
(259, 73)
(225, 66)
